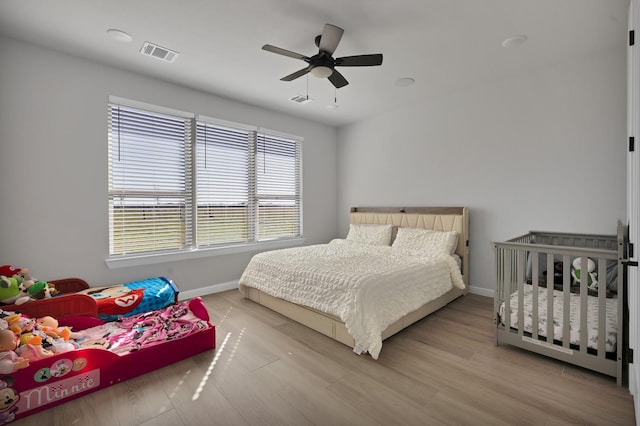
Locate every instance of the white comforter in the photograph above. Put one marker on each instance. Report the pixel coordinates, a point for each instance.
(367, 287)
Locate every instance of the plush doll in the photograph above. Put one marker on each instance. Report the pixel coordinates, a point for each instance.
(578, 270)
(33, 352)
(10, 289)
(10, 362)
(49, 325)
(30, 339)
(12, 271)
(23, 328)
(41, 290)
(60, 346)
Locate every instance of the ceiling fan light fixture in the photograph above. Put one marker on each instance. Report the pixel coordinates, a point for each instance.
(321, 71)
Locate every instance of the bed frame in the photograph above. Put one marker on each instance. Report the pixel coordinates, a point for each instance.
(68, 303)
(511, 275)
(72, 303)
(436, 218)
(60, 378)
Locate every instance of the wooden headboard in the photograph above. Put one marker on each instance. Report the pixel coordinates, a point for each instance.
(436, 218)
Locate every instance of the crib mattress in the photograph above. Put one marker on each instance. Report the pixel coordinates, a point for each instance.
(558, 316)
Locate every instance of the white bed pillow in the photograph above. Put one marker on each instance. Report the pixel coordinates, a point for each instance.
(376, 235)
(426, 240)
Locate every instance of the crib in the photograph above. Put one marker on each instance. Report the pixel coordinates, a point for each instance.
(567, 290)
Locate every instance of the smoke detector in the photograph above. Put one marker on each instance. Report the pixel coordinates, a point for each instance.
(301, 99)
(159, 52)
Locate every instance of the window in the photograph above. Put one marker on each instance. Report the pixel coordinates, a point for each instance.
(178, 183)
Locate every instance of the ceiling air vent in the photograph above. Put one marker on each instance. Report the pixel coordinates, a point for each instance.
(159, 52)
(301, 99)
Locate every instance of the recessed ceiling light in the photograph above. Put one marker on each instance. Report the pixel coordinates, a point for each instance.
(406, 81)
(332, 106)
(120, 36)
(514, 41)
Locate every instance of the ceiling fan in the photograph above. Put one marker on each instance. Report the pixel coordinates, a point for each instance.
(323, 64)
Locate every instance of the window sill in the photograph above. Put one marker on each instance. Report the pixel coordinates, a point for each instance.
(150, 259)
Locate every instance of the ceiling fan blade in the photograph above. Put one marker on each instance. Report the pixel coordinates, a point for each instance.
(337, 79)
(285, 52)
(296, 74)
(330, 38)
(359, 60)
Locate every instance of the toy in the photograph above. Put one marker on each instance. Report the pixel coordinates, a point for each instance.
(10, 362)
(33, 352)
(592, 275)
(49, 326)
(23, 328)
(60, 346)
(12, 271)
(10, 289)
(41, 290)
(30, 290)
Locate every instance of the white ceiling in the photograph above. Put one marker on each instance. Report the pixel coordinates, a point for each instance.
(444, 45)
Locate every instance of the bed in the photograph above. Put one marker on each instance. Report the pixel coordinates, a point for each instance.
(378, 289)
(100, 354)
(67, 303)
(567, 292)
(76, 297)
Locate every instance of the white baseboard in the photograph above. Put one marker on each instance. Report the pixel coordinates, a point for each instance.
(481, 291)
(203, 291)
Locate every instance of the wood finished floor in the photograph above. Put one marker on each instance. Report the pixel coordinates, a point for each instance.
(269, 370)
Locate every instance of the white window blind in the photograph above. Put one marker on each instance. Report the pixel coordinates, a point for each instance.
(149, 183)
(227, 185)
(278, 169)
(223, 171)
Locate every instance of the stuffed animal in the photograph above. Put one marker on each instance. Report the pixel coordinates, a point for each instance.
(578, 271)
(60, 346)
(12, 271)
(33, 352)
(10, 289)
(23, 328)
(49, 325)
(10, 362)
(41, 290)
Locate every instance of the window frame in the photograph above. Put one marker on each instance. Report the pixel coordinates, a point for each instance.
(192, 250)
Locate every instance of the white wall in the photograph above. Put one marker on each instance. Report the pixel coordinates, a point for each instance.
(545, 150)
(53, 166)
(541, 151)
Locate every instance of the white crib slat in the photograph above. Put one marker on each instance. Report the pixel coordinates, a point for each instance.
(534, 299)
(584, 338)
(602, 307)
(521, 259)
(506, 287)
(550, 288)
(499, 284)
(566, 293)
